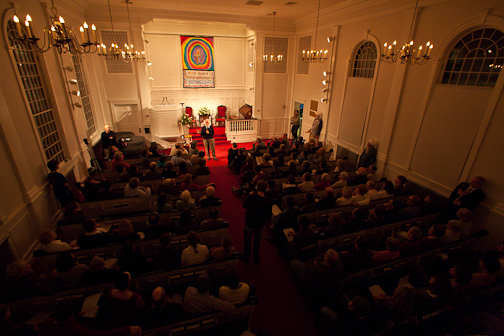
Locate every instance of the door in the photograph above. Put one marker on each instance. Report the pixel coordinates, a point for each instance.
(127, 118)
(299, 106)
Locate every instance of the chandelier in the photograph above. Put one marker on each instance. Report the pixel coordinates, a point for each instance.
(272, 58)
(58, 35)
(407, 54)
(126, 53)
(314, 55)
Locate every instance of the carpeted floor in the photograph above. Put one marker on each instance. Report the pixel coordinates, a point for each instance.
(281, 309)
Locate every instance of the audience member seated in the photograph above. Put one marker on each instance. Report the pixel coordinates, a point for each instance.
(281, 160)
(290, 187)
(342, 180)
(372, 174)
(400, 183)
(390, 253)
(167, 257)
(335, 225)
(154, 229)
(213, 222)
(387, 190)
(324, 182)
(276, 172)
(272, 152)
(293, 158)
(185, 201)
(370, 195)
(285, 140)
(308, 203)
(92, 237)
(461, 277)
(196, 157)
(305, 236)
(346, 197)
(68, 271)
(188, 184)
(106, 193)
(169, 186)
(182, 170)
(185, 224)
(319, 156)
(235, 292)
(412, 209)
(391, 211)
(433, 240)
(125, 231)
(50, 244)
(124, 305)
(288, 218)
(248, 165)
(132, 260)
(193, 149)
(92, 184)
(320, 273)
(283, 150)
(466, 195)
(133, 172)
(202, 169)
(153, 174)
(322, 168)
(134, 189)
(119, 160)
(166, 310)
(178, 147)
(198, 299)
(97, 273)
(168, 171)
(291, 170)
(489, 265)
(340, 166)
(359, 178)
(225, 250)
(177, 159)
(271, 192)
(452, 232)
(410, 244)
(428, 205)
(359, 257)
(257, 146)
(144, 158)
(359, 194)
(161, 205)
(195, 253)
(303, 157)
(238, 162)
(357, 221)
(465, 217)
(328, 201)
(63, 323)
(122, 174)
(266, 158)
(232, 153)
(307, 184)
(209, 199)
(275, 143)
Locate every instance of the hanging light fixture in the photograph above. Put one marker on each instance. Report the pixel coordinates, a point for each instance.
(58, 35)
(407, 54)
(314, 55)
(272, 58)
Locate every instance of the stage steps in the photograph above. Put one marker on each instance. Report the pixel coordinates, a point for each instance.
(219, 135)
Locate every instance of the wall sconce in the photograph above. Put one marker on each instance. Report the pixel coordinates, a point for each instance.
(325, 81)
(323, 100)
(325, 90)
(72, 81)
(251, 64)
(75, 93)
(150, 78)
(68, 68)
(326, 73)
(330, 39)
(149, 63)
(78, 105)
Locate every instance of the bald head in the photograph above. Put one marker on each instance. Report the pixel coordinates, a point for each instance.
(159, 296)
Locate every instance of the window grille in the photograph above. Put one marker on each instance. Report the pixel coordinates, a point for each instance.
(276, 46)
(304, 44)
(365, 60)
(116, 66)
(476, 60)
(28, 66)
(84, 94)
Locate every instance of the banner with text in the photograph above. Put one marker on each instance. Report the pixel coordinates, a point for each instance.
(197, 62)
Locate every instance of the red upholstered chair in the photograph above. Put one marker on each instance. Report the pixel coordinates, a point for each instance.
(188, 111)
(221, 118)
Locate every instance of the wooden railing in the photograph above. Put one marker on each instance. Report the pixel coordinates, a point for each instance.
(242, 130)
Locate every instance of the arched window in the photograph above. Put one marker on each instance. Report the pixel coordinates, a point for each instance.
(476, 60)
(27, 64)
(365, 60)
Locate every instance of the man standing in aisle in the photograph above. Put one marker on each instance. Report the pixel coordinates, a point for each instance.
(258, 213)
(316, 127)
(108, 138)
(207, 133)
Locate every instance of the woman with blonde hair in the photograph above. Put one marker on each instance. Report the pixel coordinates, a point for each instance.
(185, 201)
(346, 197)
(342, 180)
(125, 231)
(324, 182)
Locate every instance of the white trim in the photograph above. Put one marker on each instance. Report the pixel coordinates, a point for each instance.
(498, 210)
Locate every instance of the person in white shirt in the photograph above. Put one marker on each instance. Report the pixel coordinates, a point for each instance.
(50, 244)
(235, 292)
(198, 299)
(371, 194)
(387, 190)
(346, 197)
(359, 193)
(134, 189)
(195, 253)
(342, 180)
(307, 184)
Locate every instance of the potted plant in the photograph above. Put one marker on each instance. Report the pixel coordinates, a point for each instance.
(186, 121)
(204, 112)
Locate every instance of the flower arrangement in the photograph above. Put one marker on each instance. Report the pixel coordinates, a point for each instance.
(185, 120)
(204, 111)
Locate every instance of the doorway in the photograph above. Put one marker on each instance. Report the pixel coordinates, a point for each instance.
(299, 106)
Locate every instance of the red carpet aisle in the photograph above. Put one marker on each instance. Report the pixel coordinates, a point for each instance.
(281, 309)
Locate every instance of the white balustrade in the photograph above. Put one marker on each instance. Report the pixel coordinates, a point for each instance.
(242, 130)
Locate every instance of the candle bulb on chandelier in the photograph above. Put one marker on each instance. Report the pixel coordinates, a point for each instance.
(18, 25)
(93, 29)
(389, 49)
(82, 34)
(28, 29)
(384, 48)
(430, 48)
(393, 46)
(86, 32)
(62, 22)
(419, 51)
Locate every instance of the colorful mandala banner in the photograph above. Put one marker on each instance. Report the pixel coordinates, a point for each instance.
(197, 53)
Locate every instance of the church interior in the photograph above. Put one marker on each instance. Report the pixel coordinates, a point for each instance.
(437, 117)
